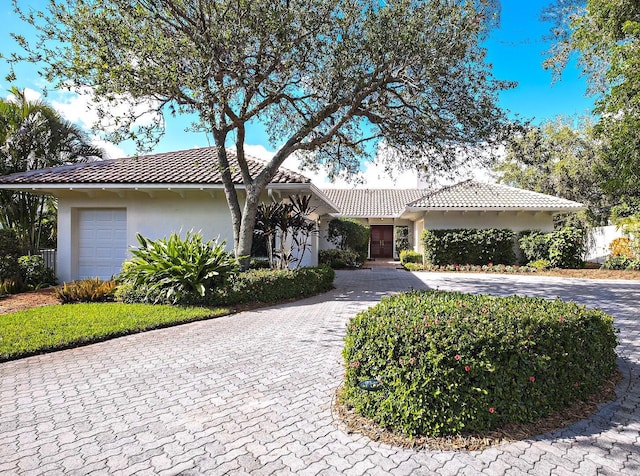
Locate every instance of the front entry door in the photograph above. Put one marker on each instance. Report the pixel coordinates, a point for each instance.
(382, 241)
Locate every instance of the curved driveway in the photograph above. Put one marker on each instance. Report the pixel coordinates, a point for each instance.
(252, 393)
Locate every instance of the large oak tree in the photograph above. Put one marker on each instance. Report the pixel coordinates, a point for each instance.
(328, 79)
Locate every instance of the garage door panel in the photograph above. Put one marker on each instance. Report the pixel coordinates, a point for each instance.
(102, 242)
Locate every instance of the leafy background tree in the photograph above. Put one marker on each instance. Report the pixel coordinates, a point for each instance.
(606, 36)
(559, 158)
(329, 79)
(33, 136)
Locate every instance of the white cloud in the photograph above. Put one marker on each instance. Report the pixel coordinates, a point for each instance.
(374, 175)
(112, 151)
(30, 95)
(80, 108)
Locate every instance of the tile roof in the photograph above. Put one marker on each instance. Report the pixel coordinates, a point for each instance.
(484, 196)
(376, 203)
(192, 166)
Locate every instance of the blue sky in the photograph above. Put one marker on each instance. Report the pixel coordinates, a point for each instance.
(516, 50)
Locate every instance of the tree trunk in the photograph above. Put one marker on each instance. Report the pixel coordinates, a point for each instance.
(229, 188)
(248, 222)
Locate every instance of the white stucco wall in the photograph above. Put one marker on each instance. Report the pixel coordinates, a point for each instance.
(516, 221)
(598, 240)
(155, 217)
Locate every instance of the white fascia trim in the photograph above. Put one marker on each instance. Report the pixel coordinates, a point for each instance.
(496, 209)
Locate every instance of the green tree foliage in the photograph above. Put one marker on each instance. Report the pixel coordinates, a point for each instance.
(34, 136)
(349, 234)
(559, 159)
(286, 224)
(606, 35)
(328, 79)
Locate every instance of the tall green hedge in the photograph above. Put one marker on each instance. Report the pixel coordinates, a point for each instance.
(563, 248)
(469, 246)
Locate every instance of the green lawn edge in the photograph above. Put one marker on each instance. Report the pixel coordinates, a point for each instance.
(67, 326)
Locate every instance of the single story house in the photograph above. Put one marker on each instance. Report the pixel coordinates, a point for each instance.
(103, 204)
(468, 204)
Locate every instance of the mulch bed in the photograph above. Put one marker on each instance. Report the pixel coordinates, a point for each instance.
(510, 433)
(18, 302)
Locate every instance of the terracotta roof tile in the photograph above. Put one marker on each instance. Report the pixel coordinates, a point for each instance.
(475, 195)
(192, 166)
(372, 202)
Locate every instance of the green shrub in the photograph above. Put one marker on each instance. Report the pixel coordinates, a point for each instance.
(563, 248)
(634, 265)
(534, 245)
(35, 273)
(259, 263)
(12, 286)
(86, 290)
(410, 256)
(350, 234)
(621, 263)
(402, 239)
(566, 248)
(476, 268)
(413, 266)
(541, 264)
(616, 262)
(262, 285)
(451, 363)
(177, 270)
(468, 246)
(10, 251)
(254, 285)
(339, 259)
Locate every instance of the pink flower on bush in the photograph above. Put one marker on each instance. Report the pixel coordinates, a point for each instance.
(532, 379)
(355, 364)
(412, 361)
(467, 368)
(492, 410)
(457, 357)
(561, 319)
(576, 384)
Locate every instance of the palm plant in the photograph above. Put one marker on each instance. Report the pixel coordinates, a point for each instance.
(33, 136)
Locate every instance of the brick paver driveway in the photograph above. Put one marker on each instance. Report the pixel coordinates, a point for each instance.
(252, 393)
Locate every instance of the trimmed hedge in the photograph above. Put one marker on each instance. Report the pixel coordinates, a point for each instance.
(339, 259)
(469, 246)
(410, 256)
(262, 285)
(452, 363)
(563, 248)
(254, 285)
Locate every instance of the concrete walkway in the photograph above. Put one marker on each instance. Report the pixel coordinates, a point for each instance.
(252, 393)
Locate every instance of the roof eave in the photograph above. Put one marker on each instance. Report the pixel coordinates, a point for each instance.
(498, 209)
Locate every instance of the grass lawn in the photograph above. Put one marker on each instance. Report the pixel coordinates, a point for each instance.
(48, 328)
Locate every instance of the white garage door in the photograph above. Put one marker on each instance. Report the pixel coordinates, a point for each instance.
(102, 240)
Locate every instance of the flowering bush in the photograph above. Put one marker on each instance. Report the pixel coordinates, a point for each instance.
(621, 247)
(472, 268)
(452, 363)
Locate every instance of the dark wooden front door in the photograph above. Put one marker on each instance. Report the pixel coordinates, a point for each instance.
(382, 241)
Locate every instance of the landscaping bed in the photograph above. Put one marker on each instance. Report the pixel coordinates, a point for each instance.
(448, 366)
